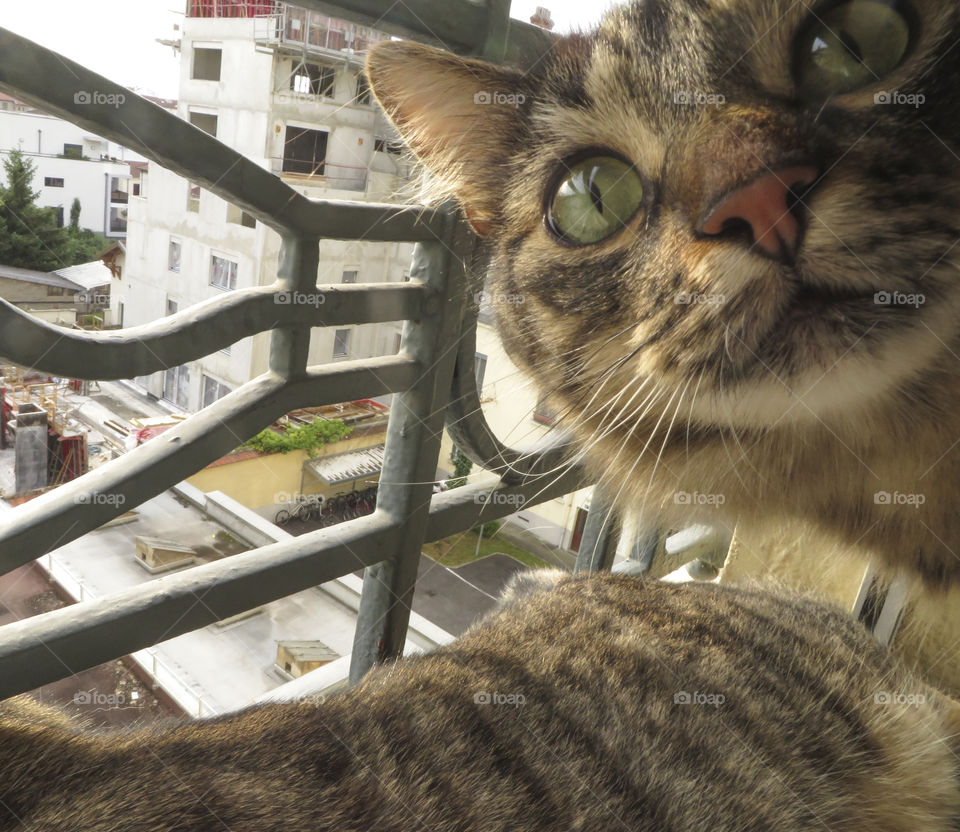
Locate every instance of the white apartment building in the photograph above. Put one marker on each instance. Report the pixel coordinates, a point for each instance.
(72, 163)
(283, 87)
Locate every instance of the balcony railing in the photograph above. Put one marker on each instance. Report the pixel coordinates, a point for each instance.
(293, 26)
(229, 8)
(433, 375)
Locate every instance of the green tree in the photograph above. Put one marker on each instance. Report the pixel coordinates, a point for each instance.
(75, 216)
(462, 466)
(30, 237)
(309, 438)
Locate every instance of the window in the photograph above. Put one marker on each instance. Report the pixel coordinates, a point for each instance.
(223, 273)
(304, 151)
(385, 146)
(205, 121)
(212, 390)
(240, 217)
(341, 343)
(172, 307)
(119, 186)
(173, 256)
(313, 79)
(176, 386)
(118, 219)
(206, 64)
(544, 412)
(52, 182)
(349, 276)
(59, 213)
(193, 198)
(480, 365)
(363, 91)
(55, 291)
(73, 151)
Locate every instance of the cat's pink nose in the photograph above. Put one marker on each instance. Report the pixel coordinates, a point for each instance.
(765, 206)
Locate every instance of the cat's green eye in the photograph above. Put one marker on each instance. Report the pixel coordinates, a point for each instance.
(595, 199)
(851, 45)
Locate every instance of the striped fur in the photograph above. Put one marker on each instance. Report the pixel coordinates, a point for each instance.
(585, 703)
(807, 410)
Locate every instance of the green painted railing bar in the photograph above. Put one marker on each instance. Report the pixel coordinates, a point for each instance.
(45, 648)
(66, 513)
(48, 647)
(412, 450)
(213, 325)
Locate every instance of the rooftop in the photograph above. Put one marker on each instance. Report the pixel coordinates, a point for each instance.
(221, 667)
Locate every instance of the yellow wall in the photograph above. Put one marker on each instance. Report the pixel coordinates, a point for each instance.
(929, 636)
(272, 479)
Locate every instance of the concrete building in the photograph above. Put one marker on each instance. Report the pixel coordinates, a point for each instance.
(72, 163)
(283, 87)
(61, 297)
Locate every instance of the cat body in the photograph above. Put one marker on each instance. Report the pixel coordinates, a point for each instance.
(591, 702)
(770, 327)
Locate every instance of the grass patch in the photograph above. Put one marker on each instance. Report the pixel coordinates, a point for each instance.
(459, 549)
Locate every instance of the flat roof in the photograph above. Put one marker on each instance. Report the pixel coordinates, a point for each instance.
(87, 275)
(225, 667)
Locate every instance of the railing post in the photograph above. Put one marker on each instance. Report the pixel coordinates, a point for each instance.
(598, 547)
(297, 270)
(413, 449)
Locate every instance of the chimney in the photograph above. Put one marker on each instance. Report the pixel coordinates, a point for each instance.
(542, 18)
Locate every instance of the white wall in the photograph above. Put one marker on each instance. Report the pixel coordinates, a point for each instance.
(43, 134)
(88, 181)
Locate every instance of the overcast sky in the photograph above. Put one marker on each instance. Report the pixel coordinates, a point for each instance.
(117, 38)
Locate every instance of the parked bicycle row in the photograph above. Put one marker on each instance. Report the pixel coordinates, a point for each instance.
(331, 510)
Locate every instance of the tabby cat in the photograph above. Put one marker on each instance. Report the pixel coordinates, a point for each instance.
(734, 225)
(583, 703)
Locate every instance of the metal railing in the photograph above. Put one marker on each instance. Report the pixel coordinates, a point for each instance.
(433, 375)
(294, 27)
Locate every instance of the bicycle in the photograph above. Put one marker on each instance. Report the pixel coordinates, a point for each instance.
(305, 508)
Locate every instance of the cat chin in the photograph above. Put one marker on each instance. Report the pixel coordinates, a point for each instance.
(841, 395)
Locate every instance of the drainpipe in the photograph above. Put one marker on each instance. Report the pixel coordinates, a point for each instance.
(39, 141)
(106, 204)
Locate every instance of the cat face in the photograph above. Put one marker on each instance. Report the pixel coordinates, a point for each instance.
(736, 212)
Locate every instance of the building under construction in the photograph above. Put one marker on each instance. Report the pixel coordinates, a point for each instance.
(49, 449)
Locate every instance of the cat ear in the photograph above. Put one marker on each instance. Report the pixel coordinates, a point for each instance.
(459, 116)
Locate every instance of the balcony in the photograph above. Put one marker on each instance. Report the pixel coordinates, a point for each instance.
(430, 381)
(295, 30)
(230, 8)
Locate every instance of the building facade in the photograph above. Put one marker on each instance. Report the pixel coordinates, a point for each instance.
(72, 163)
(283, 87)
